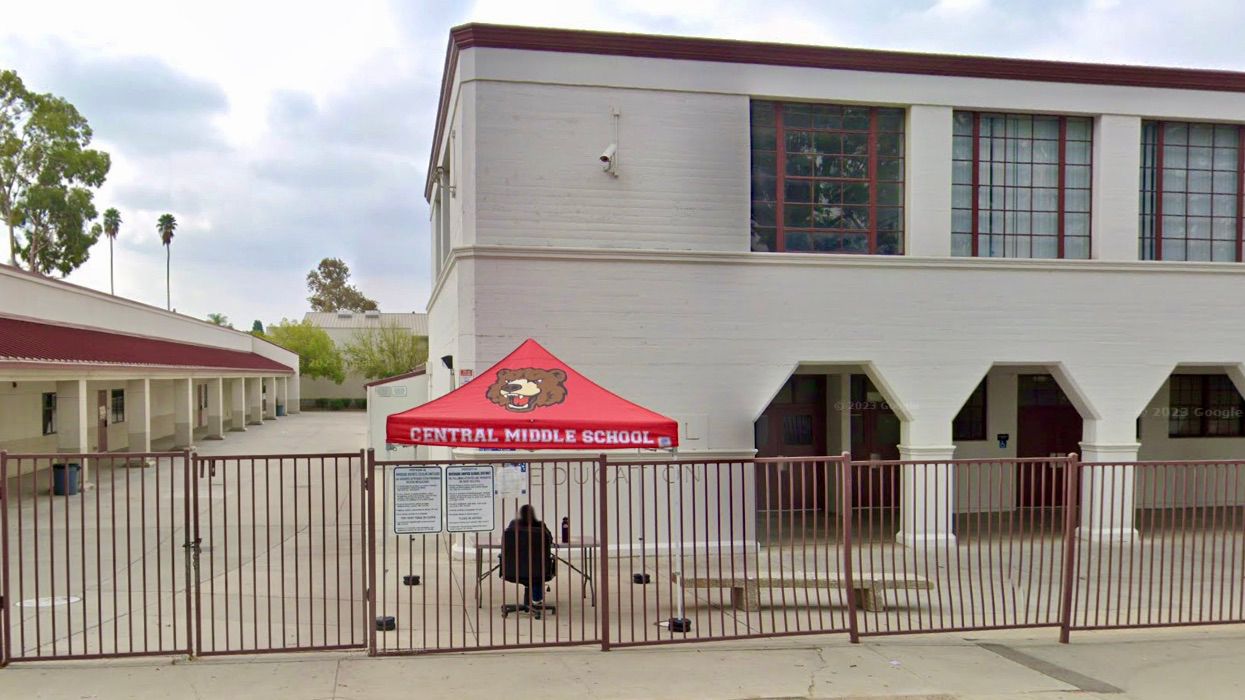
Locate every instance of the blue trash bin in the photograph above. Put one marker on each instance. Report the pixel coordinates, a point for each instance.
(65, 479)
(280, 409)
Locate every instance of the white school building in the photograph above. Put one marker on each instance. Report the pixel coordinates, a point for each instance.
(800, 250)
(86, 371)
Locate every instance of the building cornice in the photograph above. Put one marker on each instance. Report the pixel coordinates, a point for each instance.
(802, 56)
(834, 261)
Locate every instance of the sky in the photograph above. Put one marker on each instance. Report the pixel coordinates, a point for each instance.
(280, 133)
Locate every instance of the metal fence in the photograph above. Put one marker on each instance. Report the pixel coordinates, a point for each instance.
(280, 550)
(173, 553)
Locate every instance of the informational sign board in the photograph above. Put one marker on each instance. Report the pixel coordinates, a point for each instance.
(469, 498)
(512, 480)
(416, 500)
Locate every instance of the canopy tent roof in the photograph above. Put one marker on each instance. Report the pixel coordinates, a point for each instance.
(531, 400)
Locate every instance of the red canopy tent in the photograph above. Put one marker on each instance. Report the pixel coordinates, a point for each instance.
(531, 400)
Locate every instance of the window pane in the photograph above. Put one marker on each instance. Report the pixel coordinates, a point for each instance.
(828, 182)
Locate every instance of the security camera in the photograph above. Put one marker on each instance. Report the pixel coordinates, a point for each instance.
(607, 157)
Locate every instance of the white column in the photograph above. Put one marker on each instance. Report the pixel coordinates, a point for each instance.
(254, 402)
(138, 414)
(183, 413)
(270, 398)
(928, 496)
(1108, 492)
(928, 190)
(237, 403)
(216, 409)
(1117, 167)
(72, 417)
(293, 393)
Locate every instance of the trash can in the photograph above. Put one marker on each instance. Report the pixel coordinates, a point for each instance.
(280, 409)
(65, 479)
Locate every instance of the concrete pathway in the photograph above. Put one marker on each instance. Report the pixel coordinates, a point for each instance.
(1166, 664)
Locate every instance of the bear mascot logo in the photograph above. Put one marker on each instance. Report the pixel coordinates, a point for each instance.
(523, 390)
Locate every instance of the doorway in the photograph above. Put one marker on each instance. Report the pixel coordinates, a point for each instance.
(875, 437)
(101, 420)
(1047, 425)
(793, 425)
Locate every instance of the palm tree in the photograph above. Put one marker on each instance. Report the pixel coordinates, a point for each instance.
(112, 226)
(166, 226)
(220, 320)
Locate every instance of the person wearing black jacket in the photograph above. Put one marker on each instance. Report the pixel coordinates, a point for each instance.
(527, 557)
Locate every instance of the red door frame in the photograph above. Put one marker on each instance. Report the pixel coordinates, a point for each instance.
(792, 486)
(1044, 431)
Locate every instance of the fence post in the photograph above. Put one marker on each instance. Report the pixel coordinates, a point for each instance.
(369, 536)
(5, 636)
(1071, 504)
(603, 575)
(190, 522)
(845, 515)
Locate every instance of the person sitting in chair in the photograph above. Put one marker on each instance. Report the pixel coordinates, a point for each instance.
(527, 559)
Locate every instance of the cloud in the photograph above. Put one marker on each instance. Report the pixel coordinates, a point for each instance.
(138, 104)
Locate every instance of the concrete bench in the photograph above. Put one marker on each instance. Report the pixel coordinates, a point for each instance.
(746, 592)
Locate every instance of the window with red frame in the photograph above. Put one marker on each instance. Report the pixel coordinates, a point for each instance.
(1192, 179)
(827, 178)
(1204, 405)
(1020, 185)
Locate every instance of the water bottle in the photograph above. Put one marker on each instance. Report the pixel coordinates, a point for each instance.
(566, 530)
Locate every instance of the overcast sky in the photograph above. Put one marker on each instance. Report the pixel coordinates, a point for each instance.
(280, 133)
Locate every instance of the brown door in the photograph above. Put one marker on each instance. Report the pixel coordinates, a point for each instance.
(875, 436)
(101, 420)
(1047, 425)
(794, 425)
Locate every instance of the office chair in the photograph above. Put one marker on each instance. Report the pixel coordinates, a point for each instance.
(527, 559)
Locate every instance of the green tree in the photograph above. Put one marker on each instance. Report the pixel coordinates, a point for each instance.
(47, 178)
(257, 328)
(331, 290)
(220, 320)
(166, 225)
(382, 352)
(112, 226)
(317, 354)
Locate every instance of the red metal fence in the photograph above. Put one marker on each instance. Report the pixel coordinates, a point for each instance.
(172, 553)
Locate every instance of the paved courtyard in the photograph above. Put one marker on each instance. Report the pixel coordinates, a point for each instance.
(1136, 665)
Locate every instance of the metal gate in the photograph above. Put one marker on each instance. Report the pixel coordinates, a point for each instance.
(280, 550)
(94, 555)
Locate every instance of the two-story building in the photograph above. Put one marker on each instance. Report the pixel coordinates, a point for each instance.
(803, 250)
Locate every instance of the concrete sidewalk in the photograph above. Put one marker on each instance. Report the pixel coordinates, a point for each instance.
(1169, 664)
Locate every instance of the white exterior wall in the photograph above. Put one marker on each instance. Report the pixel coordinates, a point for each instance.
(646, 284)
(383, 400)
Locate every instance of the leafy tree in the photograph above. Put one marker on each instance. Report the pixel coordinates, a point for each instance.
(257, 328)
(47, 177)
(382, 352)
(166, 225)
(220, 320)
(317, 354)
(112, 226)
(331, 291)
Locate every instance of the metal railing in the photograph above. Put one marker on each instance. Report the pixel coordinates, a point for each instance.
(173, 553)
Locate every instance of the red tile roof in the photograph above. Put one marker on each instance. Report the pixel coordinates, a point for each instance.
(24, 341)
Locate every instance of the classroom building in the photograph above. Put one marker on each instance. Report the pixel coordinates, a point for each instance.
(800, 250)
(86, 371)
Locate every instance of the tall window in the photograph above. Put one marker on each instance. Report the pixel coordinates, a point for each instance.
(827, 178)
(1191, 191)
(970, 422)
(1021, 186)
(49, 414)
(1204, 405)
(117, 400)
